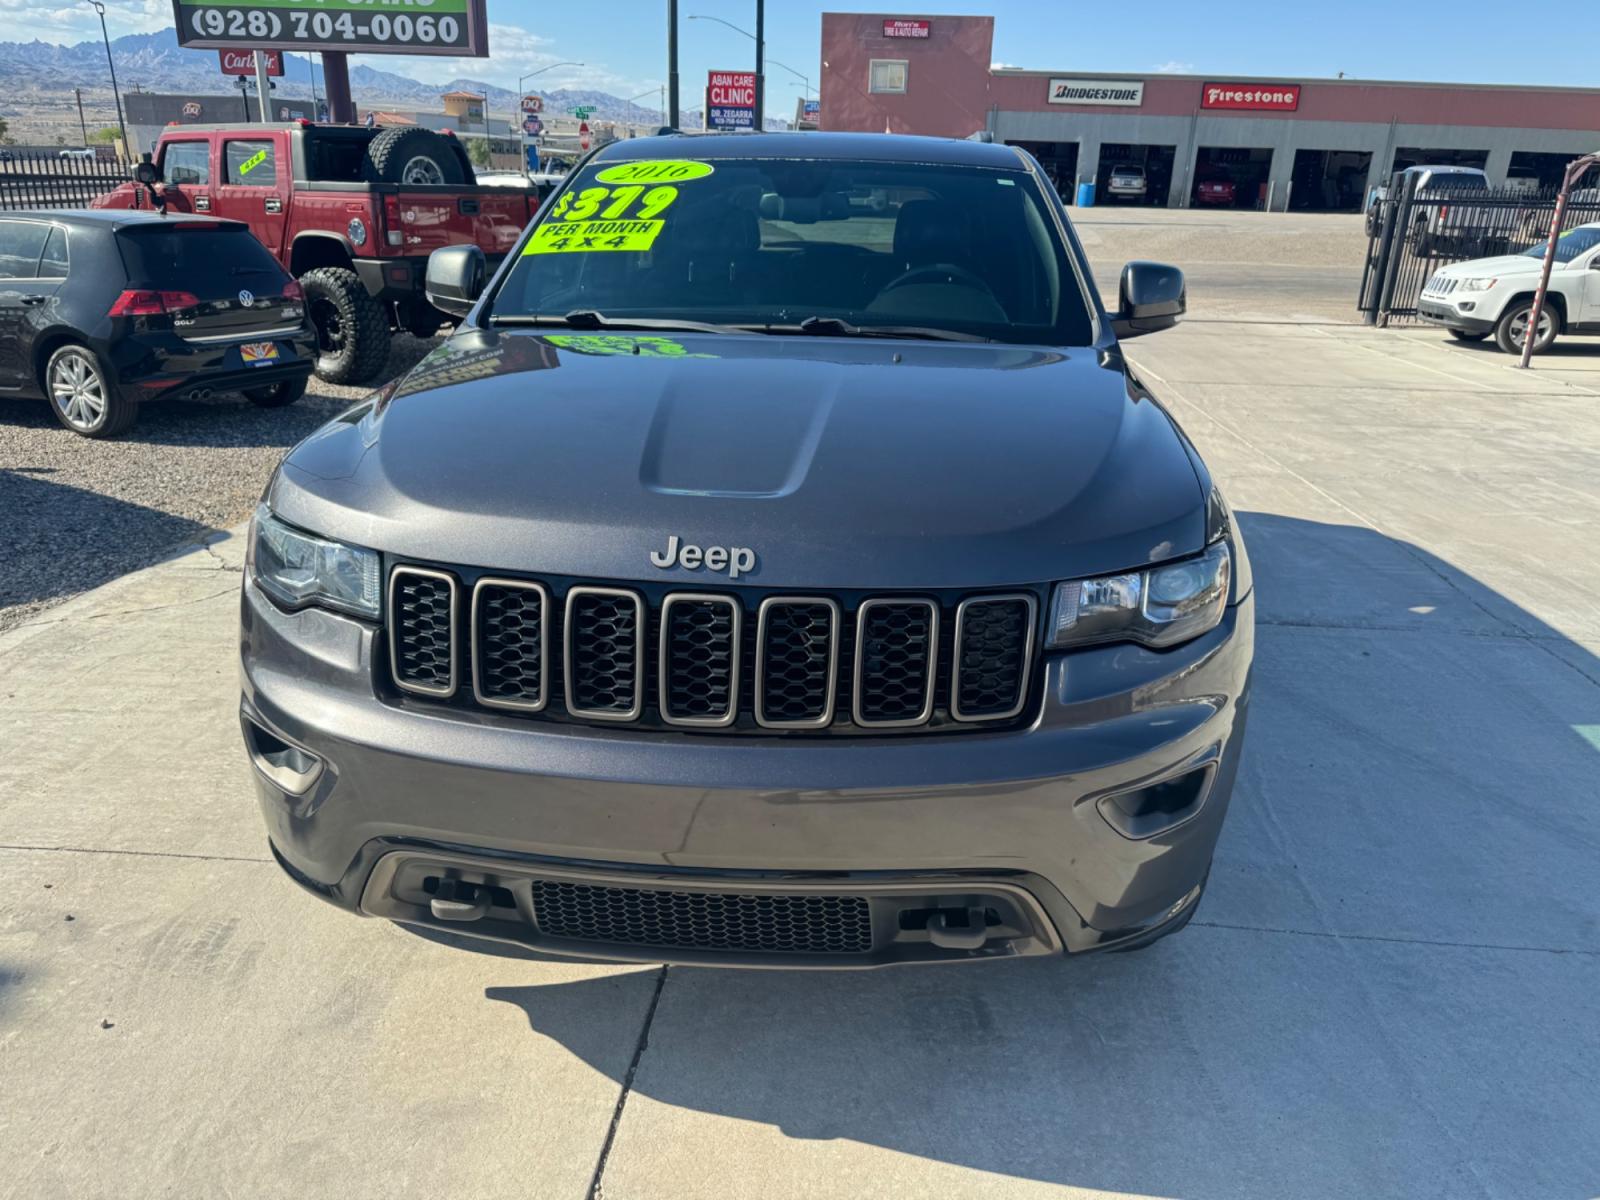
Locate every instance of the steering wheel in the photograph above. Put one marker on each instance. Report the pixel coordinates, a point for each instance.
(947, 271)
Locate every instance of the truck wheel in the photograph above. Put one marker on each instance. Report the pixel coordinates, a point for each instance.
(412, 156)
(1513, 327)
(277, 395)
(352, 328)
(83, 396)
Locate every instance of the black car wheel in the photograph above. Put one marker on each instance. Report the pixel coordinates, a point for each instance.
(352, 330)
(1512, 330)
(82, 395)
(277, 395)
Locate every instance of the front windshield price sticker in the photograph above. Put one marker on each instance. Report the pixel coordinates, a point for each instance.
(627, 216)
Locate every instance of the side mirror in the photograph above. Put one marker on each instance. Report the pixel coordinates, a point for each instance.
(145, 172)
(1151, 298)
(456, 278)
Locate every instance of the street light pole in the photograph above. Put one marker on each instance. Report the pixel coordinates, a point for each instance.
(115, 94)
(761, 78)
(672, 63)
(761, 56)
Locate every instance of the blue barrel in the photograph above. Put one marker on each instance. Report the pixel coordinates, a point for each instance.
(1086, 195)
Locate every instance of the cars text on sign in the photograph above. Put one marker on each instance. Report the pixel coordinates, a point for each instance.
(913, 29)
(1260, 97)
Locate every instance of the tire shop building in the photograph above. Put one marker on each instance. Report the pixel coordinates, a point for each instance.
(1316, 145)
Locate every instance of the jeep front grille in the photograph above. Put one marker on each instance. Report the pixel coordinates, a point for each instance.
(803, 924)
(739, 661)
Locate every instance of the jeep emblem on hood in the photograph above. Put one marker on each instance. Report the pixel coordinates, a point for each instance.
(735, 560)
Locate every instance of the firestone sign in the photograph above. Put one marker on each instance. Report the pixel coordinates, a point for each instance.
(1256, 97)
(1097, 91)
(910, 29)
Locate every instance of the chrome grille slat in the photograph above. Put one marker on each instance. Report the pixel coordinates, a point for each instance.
(511, 644)
(897, 655)
(603, 653)
(793, 690)
(699, 669)
(991, 656)
(420, 634)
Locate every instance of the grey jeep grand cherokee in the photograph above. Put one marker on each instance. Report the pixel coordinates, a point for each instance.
(780, 565)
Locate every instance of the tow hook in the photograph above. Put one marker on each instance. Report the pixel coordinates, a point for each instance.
(459, 901)
(947, 936)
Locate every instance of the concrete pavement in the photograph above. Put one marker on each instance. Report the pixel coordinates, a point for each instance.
(1389, 989)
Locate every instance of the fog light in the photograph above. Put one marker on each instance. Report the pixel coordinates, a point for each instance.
(1157, 807)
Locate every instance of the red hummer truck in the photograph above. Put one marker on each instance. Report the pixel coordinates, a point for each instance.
(351, 212)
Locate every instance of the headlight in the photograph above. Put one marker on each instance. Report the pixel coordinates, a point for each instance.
(1159, 606)
(297, 569)
(1476, 285)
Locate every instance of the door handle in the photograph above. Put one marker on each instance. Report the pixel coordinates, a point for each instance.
(30, 301)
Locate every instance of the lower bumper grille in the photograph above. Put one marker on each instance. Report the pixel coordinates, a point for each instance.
(811, 924)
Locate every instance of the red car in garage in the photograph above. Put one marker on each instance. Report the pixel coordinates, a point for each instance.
(1216, 192)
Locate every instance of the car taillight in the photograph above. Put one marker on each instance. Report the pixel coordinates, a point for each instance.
(293, 291)
(136, 302)
(391, 221)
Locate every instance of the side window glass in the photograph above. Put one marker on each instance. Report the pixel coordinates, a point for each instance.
(21, 243)
(187, 162)
(252, 164)
(54, 263)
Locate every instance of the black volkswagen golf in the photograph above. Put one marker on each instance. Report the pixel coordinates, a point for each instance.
(101, 310)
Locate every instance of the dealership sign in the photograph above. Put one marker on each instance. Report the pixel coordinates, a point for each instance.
(1097, 91)
(243, 62)
(451, 27)
(911, 29)
(1255, 97)
(731, 100)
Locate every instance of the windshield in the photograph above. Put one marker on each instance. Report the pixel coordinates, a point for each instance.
(1457, 181)
(768, 241)
(1570, 244)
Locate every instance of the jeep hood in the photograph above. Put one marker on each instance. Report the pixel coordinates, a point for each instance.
(840, 462)
(1503, 264)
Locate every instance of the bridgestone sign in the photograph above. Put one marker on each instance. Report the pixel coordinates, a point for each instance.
(1097, 91)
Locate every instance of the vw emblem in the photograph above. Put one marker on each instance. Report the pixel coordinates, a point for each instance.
(246, 298)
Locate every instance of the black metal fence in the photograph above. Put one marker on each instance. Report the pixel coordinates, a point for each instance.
(1414, 233)
(42, 181)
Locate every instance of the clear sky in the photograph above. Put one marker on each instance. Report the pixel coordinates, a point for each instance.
(622, 43)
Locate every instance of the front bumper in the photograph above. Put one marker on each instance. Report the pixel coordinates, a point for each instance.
(1436, 312)
(388, 806)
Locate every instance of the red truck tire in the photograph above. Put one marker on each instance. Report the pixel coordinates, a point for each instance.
(352, 328)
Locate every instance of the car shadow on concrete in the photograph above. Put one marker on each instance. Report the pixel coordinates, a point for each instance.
(59, 540)
(1388, 991)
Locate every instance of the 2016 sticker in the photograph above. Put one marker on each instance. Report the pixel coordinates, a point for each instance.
(655, 171)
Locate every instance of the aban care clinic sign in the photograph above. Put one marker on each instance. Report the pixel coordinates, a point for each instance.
(1097, 91)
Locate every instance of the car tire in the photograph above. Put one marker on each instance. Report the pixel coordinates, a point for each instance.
(1468, 335)
(277, 395)
(1507, 328)
(412, 156)
(352, 328)
(83, 395)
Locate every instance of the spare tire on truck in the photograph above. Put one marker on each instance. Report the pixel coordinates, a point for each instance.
(414, 156)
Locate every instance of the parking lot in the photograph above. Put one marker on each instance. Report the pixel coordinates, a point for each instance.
(1389, 989)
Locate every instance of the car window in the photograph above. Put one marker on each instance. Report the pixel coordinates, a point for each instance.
(186, 162)
(53, 263)
(206, 260)
(21, 244)
(750, 241)
(252, 163)
(1570, 244)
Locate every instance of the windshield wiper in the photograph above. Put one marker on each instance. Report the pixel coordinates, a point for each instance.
(588, 318)
(837, 327)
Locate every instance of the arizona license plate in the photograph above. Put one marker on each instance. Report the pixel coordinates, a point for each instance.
(259, 354)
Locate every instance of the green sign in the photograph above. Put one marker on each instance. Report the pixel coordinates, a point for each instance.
(583, 112)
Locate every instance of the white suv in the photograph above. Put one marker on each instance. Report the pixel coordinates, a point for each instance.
(1486, 296)
(1127, 182)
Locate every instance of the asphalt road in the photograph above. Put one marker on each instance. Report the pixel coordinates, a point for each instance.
(1388, 991)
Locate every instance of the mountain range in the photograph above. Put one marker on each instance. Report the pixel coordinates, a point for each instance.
(155, 62)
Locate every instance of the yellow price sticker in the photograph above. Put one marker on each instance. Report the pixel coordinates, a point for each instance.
(589, 237)
(655, 171)
(251, 163)
(601, 218)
